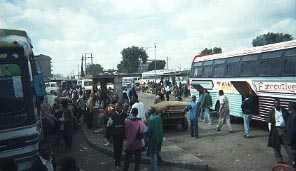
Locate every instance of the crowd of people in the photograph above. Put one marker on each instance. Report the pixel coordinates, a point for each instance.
(133, 132)
(164, 89)
(128, 127)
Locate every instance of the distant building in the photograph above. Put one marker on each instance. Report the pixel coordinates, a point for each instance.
(44, 62)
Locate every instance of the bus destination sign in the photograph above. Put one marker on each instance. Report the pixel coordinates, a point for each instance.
(276, 87)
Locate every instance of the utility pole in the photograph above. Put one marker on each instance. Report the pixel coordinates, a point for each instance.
(155, 57)
(155, 66)
(85, 55)
(78, 71)
(167, 62)
(91, 58)
(85, 65)
(82, 71)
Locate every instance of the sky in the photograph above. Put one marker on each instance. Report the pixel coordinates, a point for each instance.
(64, 29)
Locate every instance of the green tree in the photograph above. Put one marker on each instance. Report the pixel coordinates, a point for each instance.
(94, 69)
(271, 38)
(160, 64)
(131, 57)
(217, 50)
(211, 51)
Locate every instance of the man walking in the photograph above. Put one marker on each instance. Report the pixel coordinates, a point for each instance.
(91, 102)
(206, 105)
(167, 92)
(193, 109)
(278, 132)
(224, 115)
(118, 118)
(68, 119)
(155, 131)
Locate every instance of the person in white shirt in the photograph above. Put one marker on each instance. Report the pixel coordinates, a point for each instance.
(141, 109)
(224, 114)
(167, 92)
(277, 125)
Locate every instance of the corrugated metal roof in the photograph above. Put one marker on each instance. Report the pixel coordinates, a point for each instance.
(249, 51)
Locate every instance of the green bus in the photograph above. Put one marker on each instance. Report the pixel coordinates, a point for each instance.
(21, 89)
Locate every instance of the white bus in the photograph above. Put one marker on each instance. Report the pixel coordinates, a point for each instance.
(267, 72)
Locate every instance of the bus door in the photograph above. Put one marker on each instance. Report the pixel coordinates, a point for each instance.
(246, 90)
(197, 86)
(243, 88)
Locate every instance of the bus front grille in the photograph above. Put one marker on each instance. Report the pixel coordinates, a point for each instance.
(12, 120)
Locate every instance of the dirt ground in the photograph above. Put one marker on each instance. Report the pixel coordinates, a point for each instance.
(224, 151)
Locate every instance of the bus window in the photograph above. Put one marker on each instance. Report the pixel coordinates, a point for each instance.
(208, 69)
(219, 68)
(9, 70)
(276, 54)
(197, 72)
(270, 64)
(249, 65)
(88, 83)
(11, 88)
(290, 62)
(233, 67)
(53, 85)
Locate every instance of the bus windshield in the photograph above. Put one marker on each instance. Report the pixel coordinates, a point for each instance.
(88, 83)
(11, 88)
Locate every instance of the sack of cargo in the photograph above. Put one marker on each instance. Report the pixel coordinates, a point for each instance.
(166, 105)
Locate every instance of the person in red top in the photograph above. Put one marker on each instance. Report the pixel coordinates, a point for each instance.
(134, 131)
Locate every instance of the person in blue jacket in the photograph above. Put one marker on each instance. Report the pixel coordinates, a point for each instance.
(193, 112)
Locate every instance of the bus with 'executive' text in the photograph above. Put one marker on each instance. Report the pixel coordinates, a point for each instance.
(21, 91)
(265, 72)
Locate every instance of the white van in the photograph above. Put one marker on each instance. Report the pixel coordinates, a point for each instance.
(51, 87)
(85, 84)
